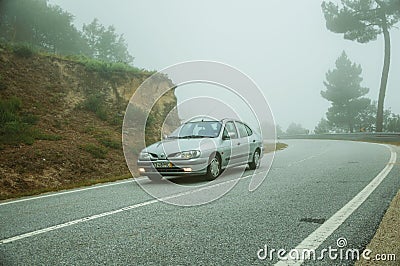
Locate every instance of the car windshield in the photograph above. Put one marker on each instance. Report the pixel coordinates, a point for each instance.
(202, 129)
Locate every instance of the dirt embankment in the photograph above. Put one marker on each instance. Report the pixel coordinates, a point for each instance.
(78, 113)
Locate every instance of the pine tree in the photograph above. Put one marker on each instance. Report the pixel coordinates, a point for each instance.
(344, 91)
(363, 21)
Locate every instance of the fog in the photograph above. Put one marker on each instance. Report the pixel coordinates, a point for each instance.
(283, 46)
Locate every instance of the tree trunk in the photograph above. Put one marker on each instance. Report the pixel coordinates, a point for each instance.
(384, 78)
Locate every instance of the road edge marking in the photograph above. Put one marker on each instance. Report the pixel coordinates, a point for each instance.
(104, 214)
(316, 238)
(53, 194)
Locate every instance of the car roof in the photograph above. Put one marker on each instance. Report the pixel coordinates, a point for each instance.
(210, 119)
(201, 119)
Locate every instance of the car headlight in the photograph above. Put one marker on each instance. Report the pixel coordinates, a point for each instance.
(144, 156)
(186, 155)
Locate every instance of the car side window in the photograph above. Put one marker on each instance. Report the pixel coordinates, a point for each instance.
(231, 129)
(249, 131)
(242, 129)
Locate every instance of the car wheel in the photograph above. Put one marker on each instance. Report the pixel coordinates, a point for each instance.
(213, 168)
(154, 177)
(256, 160)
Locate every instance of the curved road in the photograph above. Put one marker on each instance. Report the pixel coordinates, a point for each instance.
(316, 192)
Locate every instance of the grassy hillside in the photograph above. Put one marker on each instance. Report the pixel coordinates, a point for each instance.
(61, 120)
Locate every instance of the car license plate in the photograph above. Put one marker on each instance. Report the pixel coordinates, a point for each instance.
(163, 164)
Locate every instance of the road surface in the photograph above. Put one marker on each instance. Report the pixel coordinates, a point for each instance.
(316, 192)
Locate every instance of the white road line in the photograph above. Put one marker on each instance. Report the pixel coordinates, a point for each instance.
(53, 194)
(85, 219)
(104, 214)
(308, 158)
(316, 238)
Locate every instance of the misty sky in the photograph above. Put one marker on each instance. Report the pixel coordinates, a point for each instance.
(282, 45)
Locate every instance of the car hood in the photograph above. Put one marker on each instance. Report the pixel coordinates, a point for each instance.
(171, 146)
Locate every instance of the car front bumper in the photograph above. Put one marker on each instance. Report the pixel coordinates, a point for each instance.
(196, 166)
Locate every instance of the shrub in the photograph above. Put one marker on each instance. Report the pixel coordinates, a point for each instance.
(110, 143)
(14, 132)
(17, 128)
(45, 136)
(95, 104)
(23, 50)
(104, 67)
(2, 84)
(12, 129)
(30, 119)
(102, 114)
(9, 110)
(94, 150)
(117, 119)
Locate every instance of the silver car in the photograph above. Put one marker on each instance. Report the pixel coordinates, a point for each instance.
(202, 147)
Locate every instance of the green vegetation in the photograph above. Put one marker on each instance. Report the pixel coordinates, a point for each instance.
(23, 50)
(2, 85)
(104, 137)
(29, 119)
(117, 119)
(363, 21)
(95, 150)
(45, 136)
(17, 127)
(110, 143)
(95, 103)
(106, 68)
(12, 128)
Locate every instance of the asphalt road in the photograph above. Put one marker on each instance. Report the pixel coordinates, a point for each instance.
(307, 189)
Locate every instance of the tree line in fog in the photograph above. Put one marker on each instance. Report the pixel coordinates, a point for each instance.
(47, 27)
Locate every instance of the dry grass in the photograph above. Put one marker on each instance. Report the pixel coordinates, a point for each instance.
(272, 147)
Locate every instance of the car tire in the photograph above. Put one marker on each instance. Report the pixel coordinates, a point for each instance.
(155, 178)
(255, 163)
(213, 168)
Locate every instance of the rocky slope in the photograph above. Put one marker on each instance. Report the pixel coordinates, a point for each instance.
(75, 115)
